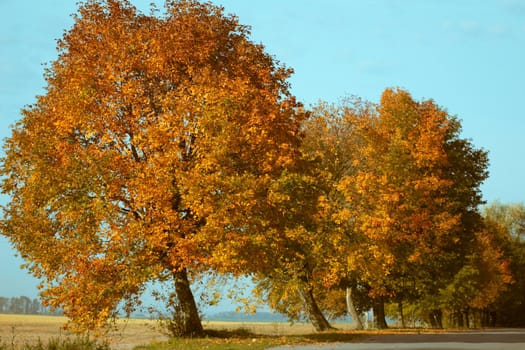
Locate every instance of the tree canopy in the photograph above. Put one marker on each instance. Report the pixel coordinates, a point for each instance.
(155, 139)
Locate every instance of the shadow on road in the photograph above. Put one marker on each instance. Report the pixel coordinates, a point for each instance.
(481, 336)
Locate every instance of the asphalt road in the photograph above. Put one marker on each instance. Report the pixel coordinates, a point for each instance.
(501, 339)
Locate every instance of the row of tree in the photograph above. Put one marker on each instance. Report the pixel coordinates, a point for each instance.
(24, 305)
(507, 224)
(169, 147)
(488, 288)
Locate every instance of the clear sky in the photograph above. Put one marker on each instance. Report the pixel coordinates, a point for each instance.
(467, 55)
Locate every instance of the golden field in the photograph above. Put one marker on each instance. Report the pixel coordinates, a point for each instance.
(22, 329)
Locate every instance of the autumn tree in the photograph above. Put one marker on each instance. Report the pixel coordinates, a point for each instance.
(416, 187)
(485, 275)
(332, 142)
(289, 278)
(314, 245)
(506, 221)
(510, 217)
(148, 158)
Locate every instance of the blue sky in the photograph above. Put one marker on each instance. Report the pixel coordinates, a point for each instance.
(467, 55)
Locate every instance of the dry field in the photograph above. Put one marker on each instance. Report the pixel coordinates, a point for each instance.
(22, 329)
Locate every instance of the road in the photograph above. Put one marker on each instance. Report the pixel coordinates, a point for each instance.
(501, 339)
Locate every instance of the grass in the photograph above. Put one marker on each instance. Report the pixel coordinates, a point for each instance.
(242, 338)
(32, 332)
(211, 344)
(56, 344)
(238, 339)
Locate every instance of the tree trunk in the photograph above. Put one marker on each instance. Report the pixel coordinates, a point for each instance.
(435, 317)
(186, 320)
(315, 315)
(458, 319)
(378, 307)
(439, 318)
(493, 318)
(401, 314)
(350, 307)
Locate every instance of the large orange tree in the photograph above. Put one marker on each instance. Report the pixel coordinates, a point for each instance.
(148, 157)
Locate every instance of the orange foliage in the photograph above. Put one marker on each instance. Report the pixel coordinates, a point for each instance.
(151, 151)
(406, 200)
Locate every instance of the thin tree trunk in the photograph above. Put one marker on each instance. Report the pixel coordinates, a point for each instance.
(439, 318)
(493, 318)
(315, 315)
(458, 319)
(379, 314)
(401, 314)
(350, 307)
(186, 322)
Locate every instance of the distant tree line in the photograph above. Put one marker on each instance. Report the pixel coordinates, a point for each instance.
(24, 305)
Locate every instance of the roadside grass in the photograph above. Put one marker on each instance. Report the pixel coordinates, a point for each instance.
(242, 338)
(212, 344)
